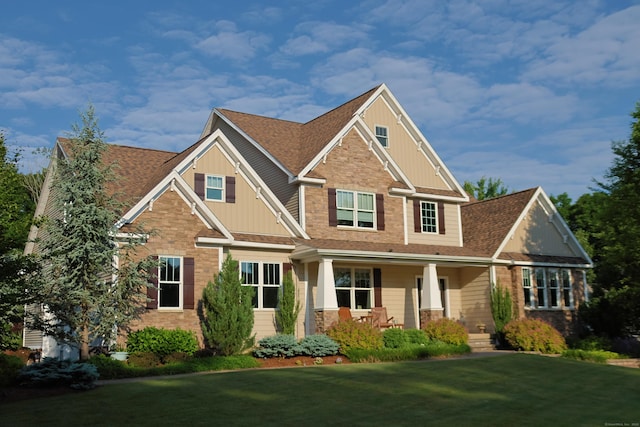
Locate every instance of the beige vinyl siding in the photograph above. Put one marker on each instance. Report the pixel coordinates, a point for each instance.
(249, 213)
(273, 176)
(451, 223)
(475, 294)
(536, 234)
(399, 294)
(403, 148)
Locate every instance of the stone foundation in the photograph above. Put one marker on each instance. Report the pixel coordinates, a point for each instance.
(324, 319)
(428, 315)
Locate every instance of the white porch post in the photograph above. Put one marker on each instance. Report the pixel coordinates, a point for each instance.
(431, 299)
(326, 298)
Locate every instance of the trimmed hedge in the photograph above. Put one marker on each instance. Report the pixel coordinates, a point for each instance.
(534, 335)
(447, 330)
(162, 342)
(409, 352)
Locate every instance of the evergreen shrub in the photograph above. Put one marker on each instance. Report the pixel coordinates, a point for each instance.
(144, 359)
(446, 330)
(534, 335)
(416, 336)
(350, 334)
(53, 372)
(10, 367)
(162, 342)
(318, 345)
(394, 338)
(281, 345)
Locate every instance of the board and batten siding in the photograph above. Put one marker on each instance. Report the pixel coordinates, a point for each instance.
(537, 234)
(402, 148)
(273, 176)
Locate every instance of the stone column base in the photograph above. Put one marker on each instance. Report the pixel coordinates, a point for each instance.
(429, 315)
(324, 319)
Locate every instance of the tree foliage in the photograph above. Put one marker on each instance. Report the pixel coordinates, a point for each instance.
(486, 188)
(86, 292)
(227, 311)
(288, 307)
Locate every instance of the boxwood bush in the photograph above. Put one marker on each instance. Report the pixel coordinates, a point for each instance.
(394, 338)
(162, 342)
(446, 330)
(416, 336)
(534, 335)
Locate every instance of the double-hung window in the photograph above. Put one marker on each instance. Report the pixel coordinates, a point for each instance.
(214, 189)
(528, 290)
(353, 287)
(429, 217)
(382, 134)
(170, 282)
(541, 285)
(355, 209)
(554, 288)
(567, 290)
(265, 279)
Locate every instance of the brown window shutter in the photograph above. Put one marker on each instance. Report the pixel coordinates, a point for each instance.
(230, 189)
(441, 228)
(188, 282)
(286, 267)
(333, 212)
(417, 216)
(152, 292)
(198, 184)
(377, 287)
(380, 211)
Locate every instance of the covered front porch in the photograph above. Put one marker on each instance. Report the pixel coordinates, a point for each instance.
(414, 288)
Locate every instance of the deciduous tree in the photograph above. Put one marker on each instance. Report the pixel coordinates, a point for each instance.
(486, 188)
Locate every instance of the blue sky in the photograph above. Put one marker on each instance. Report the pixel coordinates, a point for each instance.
(529, 91)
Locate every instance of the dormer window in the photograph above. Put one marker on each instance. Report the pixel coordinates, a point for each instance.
(382, 133)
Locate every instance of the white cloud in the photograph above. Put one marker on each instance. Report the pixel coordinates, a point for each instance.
(230, 43)
(320, 37)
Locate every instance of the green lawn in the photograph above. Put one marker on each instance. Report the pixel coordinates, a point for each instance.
(509, 390)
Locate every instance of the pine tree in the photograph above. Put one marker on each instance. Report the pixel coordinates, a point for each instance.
(288, 307)
(88, 294)
(227, 319)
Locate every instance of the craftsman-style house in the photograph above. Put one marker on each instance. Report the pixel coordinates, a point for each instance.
(358, 206)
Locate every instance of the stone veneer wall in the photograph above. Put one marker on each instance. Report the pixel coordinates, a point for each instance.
(427, 315)
(324, 319)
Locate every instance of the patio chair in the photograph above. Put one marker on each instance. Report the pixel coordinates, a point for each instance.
(344, 313)
(380, 319)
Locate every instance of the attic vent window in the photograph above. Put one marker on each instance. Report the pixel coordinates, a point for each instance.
(382, 133)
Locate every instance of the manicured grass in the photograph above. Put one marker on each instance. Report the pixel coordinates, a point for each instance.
(510, 390)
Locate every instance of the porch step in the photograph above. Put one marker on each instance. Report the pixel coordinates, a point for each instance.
(481, 342)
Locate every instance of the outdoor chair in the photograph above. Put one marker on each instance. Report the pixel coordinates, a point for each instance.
(380, 319)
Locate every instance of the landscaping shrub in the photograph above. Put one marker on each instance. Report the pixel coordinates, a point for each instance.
(394, 338)
(144, 359)
(350, 334)
(162, 342)
(177, 357)
(54, 372)
(109, 368)
(416, 336)
(593, 343)
(281, 345)
(318, 345)
(534, 335)
(597, 356)
(408, 352)
(10, 367)
(446, 330)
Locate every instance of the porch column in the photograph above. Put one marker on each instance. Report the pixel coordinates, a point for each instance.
(326, 312)
(431, 308)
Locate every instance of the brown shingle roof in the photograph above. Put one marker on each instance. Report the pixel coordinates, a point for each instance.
(553, 259)
(486, 223)
(296, 144)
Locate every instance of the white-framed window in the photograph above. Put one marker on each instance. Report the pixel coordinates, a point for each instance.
(355, 209)
(214, 188)
(382, 134)
(354, 287)
(265, 278)
(529, 300)
(554, 288)
(429, 217)
(170, 282)
(541, 286)
(567, 288)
